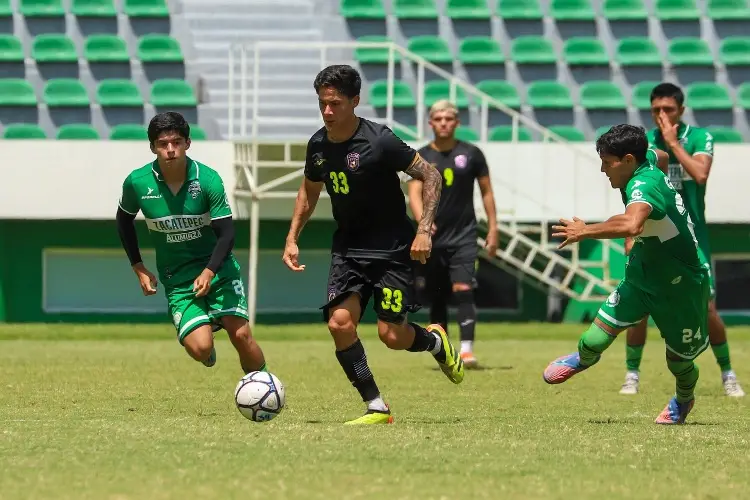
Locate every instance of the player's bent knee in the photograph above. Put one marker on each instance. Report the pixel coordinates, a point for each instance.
(341, 324)
(199, 343)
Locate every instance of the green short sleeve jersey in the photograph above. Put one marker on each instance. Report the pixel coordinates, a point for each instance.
(696, 141)
(179, 224)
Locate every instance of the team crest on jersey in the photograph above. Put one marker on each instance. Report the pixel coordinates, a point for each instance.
(176, 318)
(352, 161)
(194, 189)
(613, 299)
(461, 161)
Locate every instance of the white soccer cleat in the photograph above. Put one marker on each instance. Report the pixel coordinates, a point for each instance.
(630, 387)
(732, 387)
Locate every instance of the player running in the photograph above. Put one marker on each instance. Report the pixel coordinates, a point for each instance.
(358, 162)
(664, 277)
(690, 152)
(452, 264)
(190, 224)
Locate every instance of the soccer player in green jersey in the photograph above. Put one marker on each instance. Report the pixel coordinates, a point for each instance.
(664, 277)
(190, 224)
(690, 152)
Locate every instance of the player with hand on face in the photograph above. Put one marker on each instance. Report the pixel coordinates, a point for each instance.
(374, 246)
(451, 267)
(664, 278)
(190, 224)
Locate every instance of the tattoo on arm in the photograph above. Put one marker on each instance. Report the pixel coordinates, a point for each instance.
(432, 183)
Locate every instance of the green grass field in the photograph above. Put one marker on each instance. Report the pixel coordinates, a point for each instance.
(115, 412)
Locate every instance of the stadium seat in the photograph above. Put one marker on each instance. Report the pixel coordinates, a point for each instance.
(480, 50)
(23, 131)
(94, 8)
(65, 92)
(602, 95)
(362, 9)
(118, 93)
(548, 94)
(6, 10)
(16, 92)
(146, 8)
(432, 48)
(105, 49)
(11, 49)
(585, 51)
(466, 134)
(374, 56)
(743, 95)
(729, 10)
(172, 92)
(707, 96)
(159, 49)
(676, 10)
(128, 132)
(77, 132)
(571, 10)
(638, 51)
(197, 133)
(625, 10)
(532, 50)
(690, 51)
(504, 133)
(415, 9)
(601, 130)
(502, 91)
(440, 89)
(725, 135)
(54, 48)
(467, 9)
(403, 97)
(519, 10)
(735, 51)
(641, 94)
(568, 132)
(410, 134)
(42, 8)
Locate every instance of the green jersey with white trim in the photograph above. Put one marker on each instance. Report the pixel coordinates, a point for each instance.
(179, 224)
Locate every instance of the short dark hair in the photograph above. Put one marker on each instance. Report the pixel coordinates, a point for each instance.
(170, 121)
(341, 77)
(624, 139)
(668, 90)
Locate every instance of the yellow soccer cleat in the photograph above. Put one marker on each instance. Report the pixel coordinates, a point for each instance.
(372, 417)
(452, 364)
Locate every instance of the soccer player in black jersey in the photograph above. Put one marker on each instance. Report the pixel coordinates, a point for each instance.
(374, 246)
(451, 268)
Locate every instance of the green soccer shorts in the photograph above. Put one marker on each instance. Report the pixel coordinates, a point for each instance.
(226, 298)
(680, 313)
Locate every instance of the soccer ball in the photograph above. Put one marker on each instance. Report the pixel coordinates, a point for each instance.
(259, 396)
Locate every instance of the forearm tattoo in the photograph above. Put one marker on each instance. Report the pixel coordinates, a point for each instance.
(432, 183)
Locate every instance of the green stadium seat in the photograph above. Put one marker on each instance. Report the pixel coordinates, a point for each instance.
(66, 92)
(6, 10)
(118, 93)
(16, 92)
(467, 9)
(197, 133)
(172, 92)
(677, 10)
(735, 51)
(725, 135)
(374, 56)
(362, 9)
(128, 132)
(146, 8)
(480, 50)
(602, 95)
(641, 94)
(53, 48)
(415, 9)
(504, 133)
(690, 51)
(568, 132)
(625, 10)
(502, 91)
(702, 96)
(77, 132)
(11, 49)
(432, 48)
(743, 95)
(94, 8)
(403, 97)
(156, 48)
(466, 134)
(549, 94)
(571, 10)
(519, 10)
(410, 134)
(532, 49)
(729, 10)
(23, 131)
(585, 51)
(42, 8)
(106, 49)
(440, 89)
(638, 51)
(601, 131)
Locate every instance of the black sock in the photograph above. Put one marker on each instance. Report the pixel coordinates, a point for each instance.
(467, 313)
(423, 340)
(354, 362)
(439, 310)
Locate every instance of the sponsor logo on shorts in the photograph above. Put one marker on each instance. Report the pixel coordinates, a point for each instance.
(677, 280)
(181, 237)
(420, 282)
(194, 189)
(331, 294)
(352, 161)
(176, 318)
(613, 299)
(461, 161)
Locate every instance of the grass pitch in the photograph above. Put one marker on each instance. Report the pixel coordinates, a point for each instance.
(122, 412)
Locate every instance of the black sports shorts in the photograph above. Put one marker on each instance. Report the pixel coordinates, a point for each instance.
(445, 267)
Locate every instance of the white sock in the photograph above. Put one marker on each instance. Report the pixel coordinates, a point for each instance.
(632, 373)
(729, 373)
(377, 404)
(438, 344)
(467, 346)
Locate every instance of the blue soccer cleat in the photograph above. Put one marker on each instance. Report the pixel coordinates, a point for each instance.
(563, 368)
(675, 413)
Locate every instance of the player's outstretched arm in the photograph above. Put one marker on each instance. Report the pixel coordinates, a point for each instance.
(129, 240)
(307, 199)
(432, 184)
(630, 224)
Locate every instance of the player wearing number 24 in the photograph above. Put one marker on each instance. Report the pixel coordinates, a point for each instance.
(374, 246)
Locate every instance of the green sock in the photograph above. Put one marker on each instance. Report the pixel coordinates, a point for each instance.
(263, 368)
(633, 355)
(686, 373)
(592, 344)
(721, 351)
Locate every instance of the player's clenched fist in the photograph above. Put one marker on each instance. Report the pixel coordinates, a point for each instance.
(421, 247)
(291, 257)
(202, 283)
(146, 278)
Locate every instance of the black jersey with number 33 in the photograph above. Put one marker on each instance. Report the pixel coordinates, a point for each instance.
(361, 177)
(455, 219)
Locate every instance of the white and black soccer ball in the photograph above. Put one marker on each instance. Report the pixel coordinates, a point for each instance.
(259, 396)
